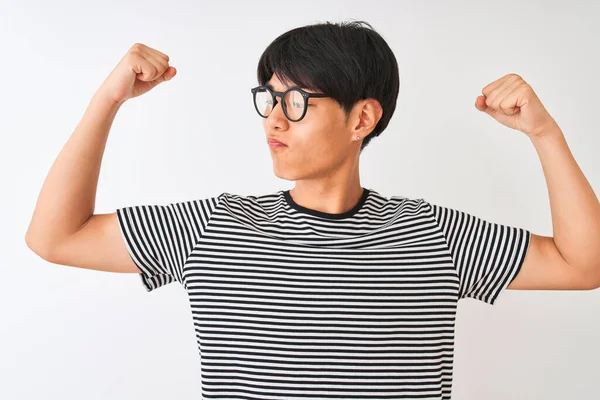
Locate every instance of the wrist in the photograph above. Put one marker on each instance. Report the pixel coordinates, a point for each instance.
(549, 142)
(551, 131)
(105, 100)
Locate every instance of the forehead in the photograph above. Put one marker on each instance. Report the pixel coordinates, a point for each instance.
(276, 84)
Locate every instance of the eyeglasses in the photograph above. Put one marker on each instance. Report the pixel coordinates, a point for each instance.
(294, 104)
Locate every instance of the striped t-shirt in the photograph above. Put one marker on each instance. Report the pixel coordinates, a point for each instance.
(290, 303)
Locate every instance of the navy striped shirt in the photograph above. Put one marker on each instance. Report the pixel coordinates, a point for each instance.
(293, 303)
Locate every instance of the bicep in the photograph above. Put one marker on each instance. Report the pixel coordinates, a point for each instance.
(97, 245)
(544, 268)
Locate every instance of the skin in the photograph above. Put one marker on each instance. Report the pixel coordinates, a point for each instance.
(571, 258)
(322, 153)
(322, 157)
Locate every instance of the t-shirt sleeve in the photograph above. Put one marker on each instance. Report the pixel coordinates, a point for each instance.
(160, 238)
(487, 255)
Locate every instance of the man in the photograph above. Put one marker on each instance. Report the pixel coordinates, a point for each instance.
(327, 290)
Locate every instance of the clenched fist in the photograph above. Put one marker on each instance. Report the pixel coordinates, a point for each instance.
(140, 70)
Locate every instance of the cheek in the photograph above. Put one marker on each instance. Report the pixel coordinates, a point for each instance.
(318, 149)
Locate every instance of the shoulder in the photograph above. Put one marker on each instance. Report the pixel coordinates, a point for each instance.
(258, 199)
(258, 204)
(398, 203)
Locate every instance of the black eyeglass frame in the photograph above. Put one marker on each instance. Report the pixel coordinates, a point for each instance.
(274, 95)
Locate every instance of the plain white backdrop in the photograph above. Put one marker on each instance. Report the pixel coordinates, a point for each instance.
(72, 333)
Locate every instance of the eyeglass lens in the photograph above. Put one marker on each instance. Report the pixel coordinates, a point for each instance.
(293, 103)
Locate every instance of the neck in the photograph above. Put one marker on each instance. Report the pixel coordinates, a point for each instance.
(333, 195)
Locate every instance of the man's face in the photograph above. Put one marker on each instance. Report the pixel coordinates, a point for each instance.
(316, 145)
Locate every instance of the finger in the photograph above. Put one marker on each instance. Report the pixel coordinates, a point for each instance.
(160, 54)
(146, 71)
(507, 100)
(498, 95)
(161, 64)
(489, 89)
(480, 103)
(495, 96)
(169, 73)
(149, 53)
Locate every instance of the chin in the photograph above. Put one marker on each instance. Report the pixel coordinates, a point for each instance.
(282, 176)
(286, 174)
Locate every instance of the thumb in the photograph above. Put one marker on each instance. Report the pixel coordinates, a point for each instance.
(481, 106)
(167, 76)
(480, 103)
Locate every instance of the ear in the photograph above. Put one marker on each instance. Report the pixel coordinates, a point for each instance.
(369, 112)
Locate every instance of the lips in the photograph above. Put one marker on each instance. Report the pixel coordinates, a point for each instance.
(276, 142)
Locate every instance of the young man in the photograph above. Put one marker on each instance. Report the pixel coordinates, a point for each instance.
(327, 290)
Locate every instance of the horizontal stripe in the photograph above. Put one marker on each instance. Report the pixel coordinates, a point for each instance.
(292, 303)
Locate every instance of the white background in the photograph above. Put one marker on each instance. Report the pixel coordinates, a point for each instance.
(72, 333)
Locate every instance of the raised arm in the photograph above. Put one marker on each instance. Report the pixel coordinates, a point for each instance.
(63, 228)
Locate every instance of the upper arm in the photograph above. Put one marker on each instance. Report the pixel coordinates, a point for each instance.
(544, 268)
(485, 254)
(154, 241)
(97, 245)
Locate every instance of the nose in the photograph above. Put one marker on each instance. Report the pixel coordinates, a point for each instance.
(276, 116)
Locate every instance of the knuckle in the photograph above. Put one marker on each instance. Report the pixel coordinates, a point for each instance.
(135, 51)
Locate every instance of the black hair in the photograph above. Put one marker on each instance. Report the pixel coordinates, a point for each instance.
(347, 61)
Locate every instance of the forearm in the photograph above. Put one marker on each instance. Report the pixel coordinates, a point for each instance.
(574, 206)
(67, 197)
